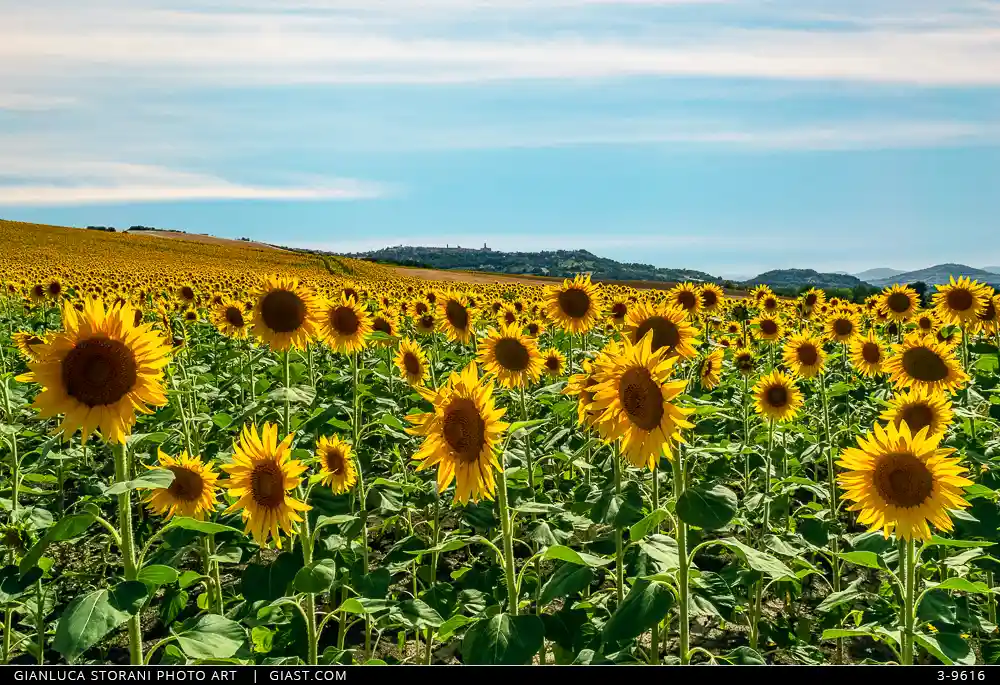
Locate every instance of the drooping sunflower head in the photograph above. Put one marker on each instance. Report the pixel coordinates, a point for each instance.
(902, 481)
(345, 325)
(687, 297)
(461, 435)
(193, 492)
(511, 356)
(988, 320)
(29, 344)
(961, 301)
(554, 362)
(670, 327)
(919, 409)
(286, 314)
(712, 298)
(633, 397)
(743, 360)
(98, 371)
(868, 354)
(230, 319)
(898, 302)
(804, 354)
(921, 361)
(261, 477)
(574, 306)
(456, 317)
(412, 362)
(777, 397)
(842, 325)
(336, 462)
(710, 369)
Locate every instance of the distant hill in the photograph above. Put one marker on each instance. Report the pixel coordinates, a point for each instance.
(992, 269)
(875, 274)
(796, 278)
(936, 275)
(559, 263)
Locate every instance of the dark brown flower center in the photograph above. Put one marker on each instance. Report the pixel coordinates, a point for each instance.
(382, 325)
(871, 353)
(776, 396)
(665, 333)
(687, 299)
(512, 355)
(770, 303)
(55, 288)
(411, 363)
(960, 300)
(574, 303)
(187, 485)
(898, 302)
(234, 317)
(924, 365)
(464, 430)
(641, 398)
(99, 371)
(843, 327)
(916, 416)
(811, 299)
(333, 459)
(552, 364)
(187, 293)
(136, 317)
(925, 323)
(768, 327)
(427, 322)
(351, 293)
(619, 310)
(509, 317)
(709, 298)
(267, 484)
(903, 480)
(39, 290)
(283, 311)
(420, 308)
(990, 313)
(807, 354)
(344, 320)
(457, 315)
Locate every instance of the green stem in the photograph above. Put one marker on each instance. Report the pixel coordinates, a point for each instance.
(767, 476)
(831, 479)
(619, 551)
(654, 636)
(909, 610)
(15, 485)
(527, 445)
(991, 604)
(288, 384)
(40, 620)
(128, 549)
(682, 558)
(312, 635)
(508, 541)
(8, 633)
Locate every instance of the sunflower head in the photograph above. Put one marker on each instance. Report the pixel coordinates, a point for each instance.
(921, 361)
(777, 397)
(687, 297)
(961, 301)
(345, 325)
(842, 325)
(867, 354)
(456, 317)
(412, 362)
(554, 363)
(770, 327)
(669, 327)
(712, 298)
(575, 305)
(511, 356)
(286, 313)
(230, 319)
(804, 354)
(30, 344)
(193, 492)
(919, 409)
(710, 369)
(743, 360)
(336, 462)
(898, 302)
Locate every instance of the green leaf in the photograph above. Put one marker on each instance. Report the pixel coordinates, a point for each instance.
(867, 559)
(836, 599)
(948, 648)
(317, 577)
(222, 420)
(416, 613)
(448, 628)
(13, 584)
(963, 585)
(503, 639)
(210, 636)
(206, 527)
(66, 529)
(646, 604)
(269, 582)
(571, 556)
(707, 506)
(568, 579)
(937, 541)
(521, 425)
(651, 520)
(837, 633)
(758, 561)
(156, 479)
(87, 619)
(157, 574)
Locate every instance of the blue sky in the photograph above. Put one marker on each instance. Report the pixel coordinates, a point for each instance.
(728, 136)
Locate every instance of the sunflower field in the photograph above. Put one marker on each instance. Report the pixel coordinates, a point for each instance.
(233, 454)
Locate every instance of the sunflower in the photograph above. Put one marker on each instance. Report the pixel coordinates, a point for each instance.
(759, 292)
(426, 323)
(618, 310)
(186, 294)
(770, 304)
(898, 302)
(842, 325)
(988, 320)
(919, 409)
(710, 369)
(813, 298)
(867, 355)
(900, 481)
(926, 322)
(804, 354)
(554, 362)
(770, 327)
(345, 325)
(926, 363)
(960, 301)
(461, 435)
(671, 329)
(99, 371)
(508, 315)
(633, 398)
(510, 356)
(337, 465)
(286, 313)
(193, 492)
(456, 319)
(412, 362)
(712, 298)
(581, 385)
(29, 344)
(534, 328)
(387, 323)
(575, 305)
(950, 336)
(190, 315)
(685, 296)
(743, 360)
(230, 320)
(261, 475)
(777, 397)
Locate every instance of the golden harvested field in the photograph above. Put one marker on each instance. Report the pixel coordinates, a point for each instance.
(213, 451)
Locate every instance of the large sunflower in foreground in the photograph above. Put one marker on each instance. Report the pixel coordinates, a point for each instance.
(230, 320)
(461, 435)
(337, 467)
(777, 397)
(867, 354)
(900, 481)
(804, 354)
(192, 493)
(511, 356)
(921, 361)
(672, 330)
(575, 305)
(345, 325)
(919, 409)
(99, 371)
(286, 314)
(411, 360)
(898, 303)
(960, 301)
(456, 317)
(633, 397)
(261, 476)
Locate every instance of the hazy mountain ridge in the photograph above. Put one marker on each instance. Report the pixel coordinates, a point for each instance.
(877, 273)
(796, 278)
(939, 274)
